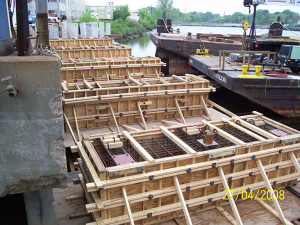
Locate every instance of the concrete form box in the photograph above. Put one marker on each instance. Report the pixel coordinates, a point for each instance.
(32, 155)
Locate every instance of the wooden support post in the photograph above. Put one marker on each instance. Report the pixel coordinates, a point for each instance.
(295, 161)
(115, 119)
(182, 201)
(179, 78)
(205, 108)
(76, 123)
(142, 116)
(255, 128)
(230, 197)
(269, 187)
(244, 130)
(179, 111)
(70, 128)
(145, 155)
(226, 215)
(127, 206)
(271, 210)
(177, 141)
(225, 134)
(64, 86)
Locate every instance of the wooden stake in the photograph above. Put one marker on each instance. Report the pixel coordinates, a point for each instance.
(182, 201)
(295, 161)
(205, 108)
(115, 120)
(271, 210)
(142, 116)
(269, 187)
(127, 206)
(230, 197)
(179, 111)
(226, 215)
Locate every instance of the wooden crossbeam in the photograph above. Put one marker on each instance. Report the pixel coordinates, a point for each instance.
(295, 161)
(130, 128)
(221, 108)
(226, 215)
(127, 206)
(244, 130)
(271, 210)
(135, 81)
(255, 128)
(142, 115)
(182, 201)
(177, 141)
(87, 84)
(230, 197)
(224, 134)
(269, 187)
(205, 108)
(114, 117)
(179, 111)
(179, 78)
(163, 80)
(145, 155)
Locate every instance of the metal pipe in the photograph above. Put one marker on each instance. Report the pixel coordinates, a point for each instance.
(23, 26)
(42, 22)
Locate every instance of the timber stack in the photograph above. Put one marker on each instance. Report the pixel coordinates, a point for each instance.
(153, 148)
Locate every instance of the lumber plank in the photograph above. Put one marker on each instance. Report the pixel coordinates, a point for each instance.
(224, 134)
(221, 108)
(205, 108)
(269, 187)
(127, 206)
(244, 130)
(230, 197)
(295, 161)
(226, 215)
(271, 210)
(142, 115)
(255, 128)
(179, 111)
(145, 155)
(182, 201)
(177, 141)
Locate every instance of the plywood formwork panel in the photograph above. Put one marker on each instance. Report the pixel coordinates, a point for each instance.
(119, 51)
(61, 43)
(81, 90)
(150, 187)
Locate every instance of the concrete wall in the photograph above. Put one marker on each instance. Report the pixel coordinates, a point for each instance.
(32, 155)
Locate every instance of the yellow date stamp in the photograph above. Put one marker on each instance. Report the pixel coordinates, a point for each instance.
(264, 195)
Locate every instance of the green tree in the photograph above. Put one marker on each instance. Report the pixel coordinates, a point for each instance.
(146, 19)
(87, 16)
(121, 12)
(289, 17)
(165, 6)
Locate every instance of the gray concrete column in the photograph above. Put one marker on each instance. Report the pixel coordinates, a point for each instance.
(40, 207)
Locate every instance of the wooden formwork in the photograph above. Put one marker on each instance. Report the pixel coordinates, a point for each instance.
(84, 90)
(94, 53)
(111, 61)
(169, 171)
(62, 43)
(114, 106)
(112, 68)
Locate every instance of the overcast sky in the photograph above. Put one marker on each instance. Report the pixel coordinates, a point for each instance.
(214, 6)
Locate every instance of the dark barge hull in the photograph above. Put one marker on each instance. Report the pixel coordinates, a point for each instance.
(281, 95)
(184, 47)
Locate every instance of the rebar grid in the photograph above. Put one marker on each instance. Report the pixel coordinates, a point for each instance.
(237, 133)
(160, 147)
(193, 140)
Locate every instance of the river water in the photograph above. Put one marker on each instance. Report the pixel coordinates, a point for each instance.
(143, 46)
